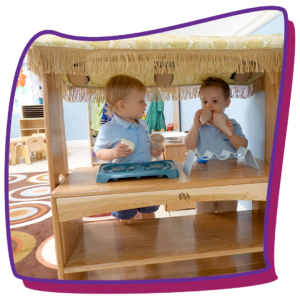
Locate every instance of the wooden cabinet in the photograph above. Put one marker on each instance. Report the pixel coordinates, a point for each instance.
(31, 125)
(32, 120)
(174, 150)
(173, 247)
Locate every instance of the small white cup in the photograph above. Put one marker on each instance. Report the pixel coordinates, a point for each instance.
(156, 140)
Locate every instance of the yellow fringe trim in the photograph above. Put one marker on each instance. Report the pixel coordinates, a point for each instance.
(110, 62)
(93, 94)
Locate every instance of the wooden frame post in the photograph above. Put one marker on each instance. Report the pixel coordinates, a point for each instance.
(272, 85)
(55, 128)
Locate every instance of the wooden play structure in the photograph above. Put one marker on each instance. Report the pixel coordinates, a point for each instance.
(188, 246)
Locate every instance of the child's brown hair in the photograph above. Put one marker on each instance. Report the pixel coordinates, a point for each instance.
(117, 88)
(216, 82)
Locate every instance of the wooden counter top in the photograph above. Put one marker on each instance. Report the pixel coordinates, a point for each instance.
(82, 181)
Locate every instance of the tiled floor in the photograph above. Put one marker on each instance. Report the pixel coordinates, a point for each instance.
(80, 157)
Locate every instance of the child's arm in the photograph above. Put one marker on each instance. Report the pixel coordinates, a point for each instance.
(109, 154)
(236, 140)
(191, 138)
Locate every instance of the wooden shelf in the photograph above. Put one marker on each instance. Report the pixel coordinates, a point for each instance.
(33, 128)
(125, 244)
(211, 266)
(28, 119)
(28, 126)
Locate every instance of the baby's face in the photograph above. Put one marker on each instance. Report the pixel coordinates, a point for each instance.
(135, 104)
(213, 99)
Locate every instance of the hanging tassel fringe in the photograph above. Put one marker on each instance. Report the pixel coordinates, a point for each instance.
(92, 94)
(111, 62)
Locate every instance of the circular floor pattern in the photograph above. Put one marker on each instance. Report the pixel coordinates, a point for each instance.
(40, 178)
(16, 178)
(22, 244)
(45, 253)
(30, 193)
(28, 213)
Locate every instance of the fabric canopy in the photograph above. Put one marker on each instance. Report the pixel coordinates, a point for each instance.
(189, 58)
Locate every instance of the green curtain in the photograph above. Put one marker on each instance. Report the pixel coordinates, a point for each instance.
(97, 111)
(155, 116)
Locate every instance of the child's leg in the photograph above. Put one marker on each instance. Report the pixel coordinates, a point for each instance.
(147, 212)
(227, 206)
(128, 214)
(205, 207)
(147, 216)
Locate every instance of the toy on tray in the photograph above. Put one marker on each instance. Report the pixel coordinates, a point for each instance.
(131, 146)
(206, 115)
(217, 119)
(117, 171)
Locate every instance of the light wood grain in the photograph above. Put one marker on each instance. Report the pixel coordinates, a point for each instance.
(176, 116)
(58, 240)
(77, 207)
(259, 208)
(184, 269)
(272, 85)
(81, 182)
(29, 126)
(176, 151)
(65, 235)
(122, 244)
(73, 276)
(69, 232)
(55, 128)
(89, 131)
(181, 205)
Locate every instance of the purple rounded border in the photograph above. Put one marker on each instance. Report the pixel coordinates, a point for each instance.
(261, 276)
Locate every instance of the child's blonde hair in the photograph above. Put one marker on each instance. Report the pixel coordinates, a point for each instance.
(117, 88)
(216, 82)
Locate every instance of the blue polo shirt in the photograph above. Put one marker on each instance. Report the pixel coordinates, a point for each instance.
(112, 132)
(210, 138)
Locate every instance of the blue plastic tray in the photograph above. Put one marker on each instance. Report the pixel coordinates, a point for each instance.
(117, 171)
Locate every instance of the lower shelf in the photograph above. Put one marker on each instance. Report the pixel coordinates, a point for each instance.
(134, 243)
(184, 269)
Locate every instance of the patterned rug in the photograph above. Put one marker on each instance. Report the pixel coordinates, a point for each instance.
(31, 225)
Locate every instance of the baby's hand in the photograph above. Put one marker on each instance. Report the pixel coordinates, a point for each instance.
(196, 121)
(157, 152)
(121, 150)
(230, 126)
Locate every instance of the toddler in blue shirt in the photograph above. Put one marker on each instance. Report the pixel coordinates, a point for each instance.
(125, 98)
(214, 95)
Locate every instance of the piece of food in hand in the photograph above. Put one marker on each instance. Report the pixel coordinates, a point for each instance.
(130, 144)
(206, 115)
(219, 120)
